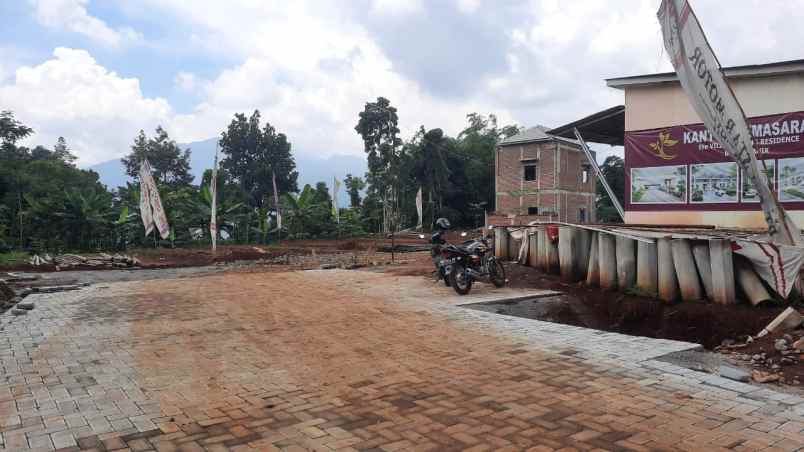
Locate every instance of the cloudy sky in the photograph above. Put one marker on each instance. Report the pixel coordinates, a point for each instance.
(97, 71)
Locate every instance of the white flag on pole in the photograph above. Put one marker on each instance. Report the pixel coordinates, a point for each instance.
(701, 77)
(419, 206)
(213, 191)
(336, 187)
(145, 199)
(276, 204)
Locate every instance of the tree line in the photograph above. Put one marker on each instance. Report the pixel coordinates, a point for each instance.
(49, 204)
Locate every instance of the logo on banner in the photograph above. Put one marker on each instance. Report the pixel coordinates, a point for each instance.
(663, 142)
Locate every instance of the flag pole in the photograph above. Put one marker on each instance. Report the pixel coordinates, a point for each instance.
(213, 221)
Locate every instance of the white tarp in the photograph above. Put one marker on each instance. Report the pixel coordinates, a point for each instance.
(778, 265)
(701, 77)
(419, 206)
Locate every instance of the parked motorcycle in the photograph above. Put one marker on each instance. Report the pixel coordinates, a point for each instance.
(460, 265)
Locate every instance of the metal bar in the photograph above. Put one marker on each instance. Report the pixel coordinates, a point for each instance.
(599, 173)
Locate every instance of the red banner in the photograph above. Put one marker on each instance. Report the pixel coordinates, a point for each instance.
(682, 168)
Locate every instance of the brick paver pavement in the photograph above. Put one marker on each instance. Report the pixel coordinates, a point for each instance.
(344, 360)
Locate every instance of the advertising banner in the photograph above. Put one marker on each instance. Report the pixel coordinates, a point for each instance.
(145, 198)
(684, 168)
(701, 77)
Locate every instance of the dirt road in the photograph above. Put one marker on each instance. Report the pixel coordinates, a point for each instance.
(351, 360)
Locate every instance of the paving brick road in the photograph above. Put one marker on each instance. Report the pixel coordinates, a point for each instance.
(351, 360)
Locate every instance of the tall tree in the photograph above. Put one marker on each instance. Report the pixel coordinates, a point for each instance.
(253, 154)
(62, 152)
(170, 165)
(378, 126)
(353, 186)
(613, 169)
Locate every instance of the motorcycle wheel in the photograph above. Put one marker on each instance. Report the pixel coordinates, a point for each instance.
(459, 281)
(444, 276)
(496, 273)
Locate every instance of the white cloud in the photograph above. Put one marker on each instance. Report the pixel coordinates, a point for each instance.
(72, 16)
(188, 82)
(391, 7)
(71, 95)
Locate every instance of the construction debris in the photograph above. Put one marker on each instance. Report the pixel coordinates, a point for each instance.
(98, 261)
(789, 319)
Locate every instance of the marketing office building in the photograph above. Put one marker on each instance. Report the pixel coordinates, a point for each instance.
(675, 172)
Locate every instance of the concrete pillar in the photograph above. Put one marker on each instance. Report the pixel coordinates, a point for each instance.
(533, 250)
(668, 283)
(626, 262)
(688, 281)
(751, 283)
(583, 238)
(722, 265)
(647, 268)
(501, 243)
(513, 247)
(567, 253)
(592, 268)
(700, 251)
(553, 262)
(607, 261)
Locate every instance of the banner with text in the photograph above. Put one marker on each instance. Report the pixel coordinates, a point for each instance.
(683, 167)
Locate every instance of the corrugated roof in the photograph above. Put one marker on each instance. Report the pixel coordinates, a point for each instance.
(533, 135)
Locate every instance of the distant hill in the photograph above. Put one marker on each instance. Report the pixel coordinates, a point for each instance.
(202, 154)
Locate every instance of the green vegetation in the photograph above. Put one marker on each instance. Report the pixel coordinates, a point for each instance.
(47, 204)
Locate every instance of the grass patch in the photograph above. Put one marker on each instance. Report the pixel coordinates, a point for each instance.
(13, 258)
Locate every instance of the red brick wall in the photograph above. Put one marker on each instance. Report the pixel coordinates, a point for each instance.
(558, 185)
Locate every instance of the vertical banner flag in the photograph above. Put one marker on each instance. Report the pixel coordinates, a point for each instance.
(145, 199)
(213, 191)
(701, 77)
(419, 206)
(336, 187)
(276, 204)
(157, 212)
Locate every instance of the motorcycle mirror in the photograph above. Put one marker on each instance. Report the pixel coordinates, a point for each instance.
(463, 234)
(421, 236)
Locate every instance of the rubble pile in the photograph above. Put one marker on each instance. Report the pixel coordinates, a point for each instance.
(97, 261)
(776, 354)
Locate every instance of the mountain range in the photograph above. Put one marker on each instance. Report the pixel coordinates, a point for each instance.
(202, 153)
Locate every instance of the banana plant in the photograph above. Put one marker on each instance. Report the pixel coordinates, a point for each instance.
(227, 211)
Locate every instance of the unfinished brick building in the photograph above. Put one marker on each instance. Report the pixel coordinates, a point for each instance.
(543, 177)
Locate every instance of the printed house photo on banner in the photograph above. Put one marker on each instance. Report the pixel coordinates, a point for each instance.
(749, 192)
(714, 182)
(659, 185)
(791, 179)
